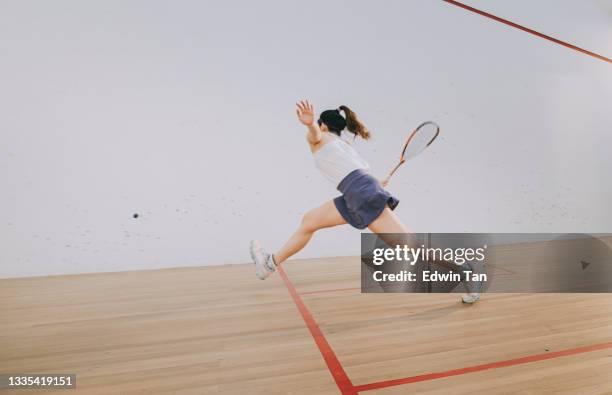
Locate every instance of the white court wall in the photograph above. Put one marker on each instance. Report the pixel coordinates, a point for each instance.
(183, 112)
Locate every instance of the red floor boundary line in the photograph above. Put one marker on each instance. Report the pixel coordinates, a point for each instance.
(333, 364)
(528, 30)
(486, 366)
(320, 291)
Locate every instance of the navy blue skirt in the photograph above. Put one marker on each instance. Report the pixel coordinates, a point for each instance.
(363, 199)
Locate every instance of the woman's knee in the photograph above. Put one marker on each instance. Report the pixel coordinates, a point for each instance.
(309, 222)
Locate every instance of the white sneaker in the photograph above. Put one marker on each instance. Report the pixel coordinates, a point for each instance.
(473, 287)
(470, 298)
(264, 262)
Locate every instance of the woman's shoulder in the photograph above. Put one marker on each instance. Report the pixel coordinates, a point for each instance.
(325, 140)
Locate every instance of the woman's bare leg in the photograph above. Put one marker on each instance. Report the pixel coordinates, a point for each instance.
(324, 216)
(388, 222)
(393, 232)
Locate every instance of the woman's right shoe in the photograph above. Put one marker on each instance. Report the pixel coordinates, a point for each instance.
(470, 298)
(473, 287)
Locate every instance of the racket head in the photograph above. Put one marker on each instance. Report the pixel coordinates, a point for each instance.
(419, 139)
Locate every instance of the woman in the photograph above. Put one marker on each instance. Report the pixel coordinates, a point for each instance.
(364, 202)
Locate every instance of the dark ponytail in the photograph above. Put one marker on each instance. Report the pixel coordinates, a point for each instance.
(353, 124)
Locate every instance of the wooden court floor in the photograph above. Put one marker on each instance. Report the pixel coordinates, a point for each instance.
(212, 330)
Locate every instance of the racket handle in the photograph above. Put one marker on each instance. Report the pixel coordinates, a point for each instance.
(395, 169)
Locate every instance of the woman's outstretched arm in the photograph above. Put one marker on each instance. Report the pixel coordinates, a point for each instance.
(305, 113)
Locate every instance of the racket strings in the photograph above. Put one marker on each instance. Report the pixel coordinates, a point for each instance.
(417, 141)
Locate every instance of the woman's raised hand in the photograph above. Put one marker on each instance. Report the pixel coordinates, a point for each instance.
(305, 112)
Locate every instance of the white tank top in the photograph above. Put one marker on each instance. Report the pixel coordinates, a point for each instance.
(336, 159)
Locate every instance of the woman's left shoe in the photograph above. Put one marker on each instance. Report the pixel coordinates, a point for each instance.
(264, 262)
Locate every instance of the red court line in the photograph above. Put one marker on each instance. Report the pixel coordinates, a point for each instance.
(528, 30)
(333, 364)
(486, 366)
(345, 385)
(320, 291)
